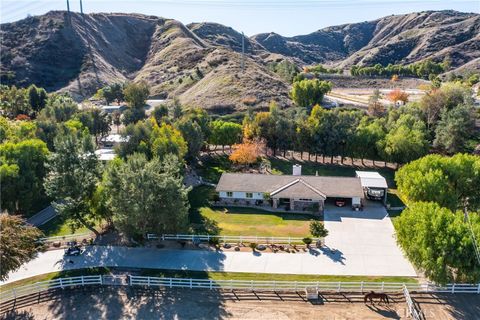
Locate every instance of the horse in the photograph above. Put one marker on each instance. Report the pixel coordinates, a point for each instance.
(372, 295)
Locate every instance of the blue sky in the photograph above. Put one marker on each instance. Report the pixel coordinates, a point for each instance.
(287, 17)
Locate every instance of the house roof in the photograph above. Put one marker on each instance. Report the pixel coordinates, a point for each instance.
(371, 179)
(291, 186)
(298, 189)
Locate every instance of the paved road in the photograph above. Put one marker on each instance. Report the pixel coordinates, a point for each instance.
(365, 239)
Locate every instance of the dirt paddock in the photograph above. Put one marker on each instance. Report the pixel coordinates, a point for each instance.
(121, 303)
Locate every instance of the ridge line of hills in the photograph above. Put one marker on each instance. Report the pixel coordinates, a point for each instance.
(200, 63)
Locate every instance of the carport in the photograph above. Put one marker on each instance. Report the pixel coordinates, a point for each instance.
(374, 185)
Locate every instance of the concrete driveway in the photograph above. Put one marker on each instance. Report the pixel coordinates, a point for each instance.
(365, 240)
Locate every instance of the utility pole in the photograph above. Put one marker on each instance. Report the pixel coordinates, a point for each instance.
(243, 52)
(68, 13)
(81, 7)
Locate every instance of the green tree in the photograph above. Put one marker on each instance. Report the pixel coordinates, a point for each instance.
(133, 115)
(72, 179)
(193, 135)
(18, 243)
(366, 141)
(225, 133)
(138, 137)
(406, 140)
(23, 171)
(113, 93)
(147, 196)
(37, 98)
(307, 93)
(454, 129)
(14, 101)
(136, 94)
(60, 108)
(439, 242)
(451, 182)
(160, 113)
(166, 139)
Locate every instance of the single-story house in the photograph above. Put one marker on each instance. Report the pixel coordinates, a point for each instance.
(295, 192)
(374, 185)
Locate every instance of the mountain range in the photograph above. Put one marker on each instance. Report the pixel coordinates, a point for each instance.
(202, 63)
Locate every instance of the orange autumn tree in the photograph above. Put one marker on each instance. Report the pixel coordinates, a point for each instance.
(245, 153)
(397, 95)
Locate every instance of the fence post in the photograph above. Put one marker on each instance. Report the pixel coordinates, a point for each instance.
(383, 285)
(361, 286)
(61, 283)
(275, 285)
(453, 288)
(316, 288)
(148, 281)
(231, 285)
(208, 237)
(289, 241)
(339, 287)
(296, 283)
(211, 284)
(163, 236)
(14, 293)
(241, 241)
(83, 281)
(251, 285)
(478, 288)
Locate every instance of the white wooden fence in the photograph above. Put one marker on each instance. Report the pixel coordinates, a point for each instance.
(246, 285)
(35, 288)
(228, 239)
(67, 237)
(412, 309)
(272, 285)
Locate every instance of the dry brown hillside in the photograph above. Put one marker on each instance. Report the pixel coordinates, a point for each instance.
(201, 63)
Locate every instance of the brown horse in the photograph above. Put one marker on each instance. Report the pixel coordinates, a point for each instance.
(372, 295)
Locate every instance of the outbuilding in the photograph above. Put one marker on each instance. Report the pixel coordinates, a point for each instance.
(374, 185)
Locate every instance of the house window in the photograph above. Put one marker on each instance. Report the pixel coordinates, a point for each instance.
(229, 194)
(305, 199)
(249, 195)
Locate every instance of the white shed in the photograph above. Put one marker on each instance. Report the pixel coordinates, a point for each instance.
(374, 185)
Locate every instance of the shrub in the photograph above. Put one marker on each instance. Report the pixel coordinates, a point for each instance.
(307, 241)
(317, 229)
(253, 245)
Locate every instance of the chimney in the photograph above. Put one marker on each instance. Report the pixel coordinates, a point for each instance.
(297, 170)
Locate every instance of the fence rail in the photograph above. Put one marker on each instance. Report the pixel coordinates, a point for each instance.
(35, 288)
(269, 285)
(228, 239)
(66, 237)
(412, 309)
(248, 285)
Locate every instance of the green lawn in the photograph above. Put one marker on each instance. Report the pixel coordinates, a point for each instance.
(60, 227)
(56, 275)
(267, 276)
(242, 221)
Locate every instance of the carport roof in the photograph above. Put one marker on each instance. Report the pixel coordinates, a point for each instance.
(372, 179)
(342, 187)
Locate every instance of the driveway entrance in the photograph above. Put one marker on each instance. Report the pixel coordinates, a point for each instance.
(365, 239)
